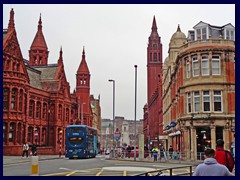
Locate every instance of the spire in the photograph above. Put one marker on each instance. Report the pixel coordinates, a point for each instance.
(83, 68)
(40, 23)
(60, 60)
(11, 21)
(154, 25)
(38, 53)
(178, 29)
(39, 40)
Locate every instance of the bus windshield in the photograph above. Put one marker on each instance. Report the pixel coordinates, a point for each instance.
(75, 140)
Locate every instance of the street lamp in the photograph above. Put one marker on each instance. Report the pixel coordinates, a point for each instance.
(110, 80)
(135, 138)
(82, 112)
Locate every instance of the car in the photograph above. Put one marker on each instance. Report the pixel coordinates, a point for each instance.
(146, 153)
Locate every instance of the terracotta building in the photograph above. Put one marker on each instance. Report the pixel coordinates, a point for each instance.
(199, 89)
(152, 127)
(37, 104)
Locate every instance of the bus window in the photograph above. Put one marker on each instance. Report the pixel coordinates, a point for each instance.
(76, 129)
(75, 140)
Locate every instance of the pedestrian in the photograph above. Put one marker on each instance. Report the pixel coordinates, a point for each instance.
(224, 157)
(129, 149)
(170, 150)
(210, 166)
(34, 150)
(155, 153)
(25, 149)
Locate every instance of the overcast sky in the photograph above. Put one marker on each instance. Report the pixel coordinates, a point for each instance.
(115, 38)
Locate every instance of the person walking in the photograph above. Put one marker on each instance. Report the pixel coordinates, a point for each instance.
(210, 166)
(34, 150)
(224, 157)
(170, 150)
(25, 149)
(129, 149)
(155, 153)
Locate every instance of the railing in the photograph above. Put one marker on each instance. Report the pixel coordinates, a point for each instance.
(168, 172)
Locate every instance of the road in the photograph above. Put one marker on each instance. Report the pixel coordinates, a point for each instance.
(98, 166)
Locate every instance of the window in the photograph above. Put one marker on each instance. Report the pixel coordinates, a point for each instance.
(44, 111)
(188, 70)
(60, 112)
(21, 100)
(38, 114)
(202, 33)
(205, 66)
(196, 101)
(5, 98)
(195, 67)
(216, 65)
(14, 99)
(4, 132)
(67, 115)
(198, 34)
(155, 57)
(217, 97)
(11, 132)
(230, 34)
(31, 108)
(189, 102)
(206, 101)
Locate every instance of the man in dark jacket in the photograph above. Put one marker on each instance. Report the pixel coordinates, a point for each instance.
(224, 157)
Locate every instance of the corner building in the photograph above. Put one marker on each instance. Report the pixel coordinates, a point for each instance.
(199, 89)
(37, 103)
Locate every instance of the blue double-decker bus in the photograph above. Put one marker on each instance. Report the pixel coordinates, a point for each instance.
(81, 141)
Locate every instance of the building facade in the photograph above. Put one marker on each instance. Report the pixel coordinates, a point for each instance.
(37, 104)
(126, 128)
(153, 117)
(199, 89)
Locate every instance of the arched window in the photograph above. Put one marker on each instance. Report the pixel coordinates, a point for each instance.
(20, 100)
(38, 110)
(67, 115)
(4, 132)
(5, 98)
(14, 99)
(44, 111)
(11, 135)
(60, 112)
(31, 108)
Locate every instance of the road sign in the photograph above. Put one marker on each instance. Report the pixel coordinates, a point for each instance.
(117, 134)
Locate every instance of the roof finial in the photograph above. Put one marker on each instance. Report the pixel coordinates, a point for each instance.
(178, 29)
(154, 24)
(40, 23)
(83, 50)
(11, 21)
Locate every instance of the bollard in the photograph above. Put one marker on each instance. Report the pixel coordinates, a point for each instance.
(35, 169)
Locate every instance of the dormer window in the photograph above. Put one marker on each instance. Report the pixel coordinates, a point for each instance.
(229, 34)
(202, 33)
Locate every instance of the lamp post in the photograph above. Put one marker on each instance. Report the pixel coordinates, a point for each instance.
(110, 80)
(82, 112)
(135, 138)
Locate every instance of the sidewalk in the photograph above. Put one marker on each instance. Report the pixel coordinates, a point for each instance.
(18, 159)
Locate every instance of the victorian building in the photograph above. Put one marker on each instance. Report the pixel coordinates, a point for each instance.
(37, 104)
(153, 117)
(199, 89)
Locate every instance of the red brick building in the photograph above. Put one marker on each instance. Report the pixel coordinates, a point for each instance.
(152, 126)
(37, 104)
